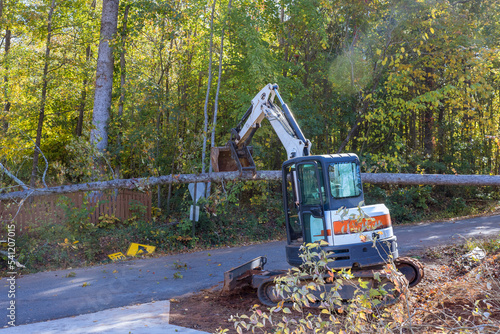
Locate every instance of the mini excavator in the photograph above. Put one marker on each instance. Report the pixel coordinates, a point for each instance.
(321, 195)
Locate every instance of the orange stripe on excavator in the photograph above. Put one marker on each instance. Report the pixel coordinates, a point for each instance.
(353, 226)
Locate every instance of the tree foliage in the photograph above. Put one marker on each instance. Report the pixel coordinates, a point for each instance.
(408, 85)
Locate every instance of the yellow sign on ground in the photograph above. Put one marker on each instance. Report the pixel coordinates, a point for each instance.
(117, 256)
(138, 249)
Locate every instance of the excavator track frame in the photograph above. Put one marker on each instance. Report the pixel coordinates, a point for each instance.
(252, 273)
(268, 297)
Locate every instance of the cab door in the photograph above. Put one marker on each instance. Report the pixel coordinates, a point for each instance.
(291, 205)
(311, 197)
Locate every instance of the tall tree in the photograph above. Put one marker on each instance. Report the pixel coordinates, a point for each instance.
(104, 75)
(209, 83)
(123, 71)
(43, 100)
(83, 96)
(7, 40)
(216, 102)
(123, 76)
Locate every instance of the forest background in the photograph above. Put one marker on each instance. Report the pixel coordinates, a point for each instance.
(410, 86)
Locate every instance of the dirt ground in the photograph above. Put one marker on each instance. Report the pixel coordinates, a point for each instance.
(209, 310)
(445, 292)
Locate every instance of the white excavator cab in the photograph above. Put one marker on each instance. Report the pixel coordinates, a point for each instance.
(323, 200)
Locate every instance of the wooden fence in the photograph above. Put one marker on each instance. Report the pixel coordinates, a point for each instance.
(42, 210)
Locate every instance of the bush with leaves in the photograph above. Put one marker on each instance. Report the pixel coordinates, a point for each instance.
(316, 285)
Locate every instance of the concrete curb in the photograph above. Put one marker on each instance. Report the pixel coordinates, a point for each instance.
(150, 318)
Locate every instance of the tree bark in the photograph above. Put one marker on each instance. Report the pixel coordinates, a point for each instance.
(3, 119)
(41, 115)
(83, 99)
(123, 72)
(6, 108)
(413, 130)
(123, 77)
(274, 175)
(83, 96)
(216, 102)
(13, 177)
(429, 117)
(355, 127)
(205, 126)
(104, 75)
(441, 133)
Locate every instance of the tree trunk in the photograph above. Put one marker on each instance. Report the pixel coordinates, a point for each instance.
(354, 129)
(441, 132)
(169, 196)
(360, 119)
(83, 96)
(123, 77)
(3, 119)
(282, 43)
(429, 117)
(205, 126)
(142, 183)
(41, 115)
(6, 108)
(216, 102)
(104, 75)
(413, 130)
(122, 63)
(428, 127)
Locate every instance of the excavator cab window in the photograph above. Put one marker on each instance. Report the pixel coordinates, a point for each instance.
(345, 179)
(312, 201)
(311, 186)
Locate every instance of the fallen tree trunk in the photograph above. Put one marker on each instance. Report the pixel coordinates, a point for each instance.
(431, 179)
(144, 183)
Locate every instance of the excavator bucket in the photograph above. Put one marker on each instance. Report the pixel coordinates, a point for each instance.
(221, 160)
(231, 159)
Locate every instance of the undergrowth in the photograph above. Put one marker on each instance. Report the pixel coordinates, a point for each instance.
(461, 296)
(235, 213)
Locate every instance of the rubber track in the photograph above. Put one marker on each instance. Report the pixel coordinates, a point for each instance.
(416, 264)
(266, 299)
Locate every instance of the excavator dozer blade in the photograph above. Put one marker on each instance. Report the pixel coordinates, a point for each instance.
(241, 276)
(230, 159)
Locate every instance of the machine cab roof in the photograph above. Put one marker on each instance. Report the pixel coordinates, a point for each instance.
(337, 177)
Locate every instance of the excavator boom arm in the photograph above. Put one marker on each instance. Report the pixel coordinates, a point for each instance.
(236, 155)
(281, 119)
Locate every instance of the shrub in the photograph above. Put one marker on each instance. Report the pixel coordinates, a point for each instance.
(315, 284)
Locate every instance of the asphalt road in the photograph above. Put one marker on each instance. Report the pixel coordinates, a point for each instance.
(52, 295)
